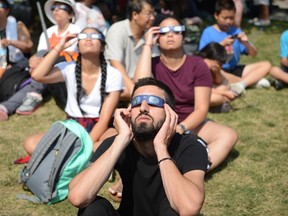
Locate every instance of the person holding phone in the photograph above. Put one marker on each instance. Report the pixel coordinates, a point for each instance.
(162, 171)
(236, 43)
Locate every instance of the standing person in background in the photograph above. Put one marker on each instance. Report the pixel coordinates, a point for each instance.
(239, 12)
(236, 43)
(90, 15)
(281, 73)
(263, 18)
(62, 14)
(190, 80)
(125, 41)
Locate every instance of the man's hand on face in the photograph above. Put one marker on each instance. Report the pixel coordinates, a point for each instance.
(168, 128)
(122, 122)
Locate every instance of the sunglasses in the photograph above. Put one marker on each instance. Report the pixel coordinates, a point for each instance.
(3, 5)
(61, 7)
(150, 99)
(93, 36)
(175, 29)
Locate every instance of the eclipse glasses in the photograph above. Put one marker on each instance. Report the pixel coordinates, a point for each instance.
(175, 29)
(93, 36)
(150, 99)
(62, 7)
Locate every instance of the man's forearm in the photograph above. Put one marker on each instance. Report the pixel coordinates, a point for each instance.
(84, 188)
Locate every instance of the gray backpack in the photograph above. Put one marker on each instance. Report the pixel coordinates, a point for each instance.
(61, 154)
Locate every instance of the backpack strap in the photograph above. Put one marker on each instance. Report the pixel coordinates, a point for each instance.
(67, 143)
(33, 199)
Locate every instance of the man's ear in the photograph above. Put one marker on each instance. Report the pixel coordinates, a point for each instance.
(134, 15)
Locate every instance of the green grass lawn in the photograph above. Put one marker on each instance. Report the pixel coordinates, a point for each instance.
(252, 181)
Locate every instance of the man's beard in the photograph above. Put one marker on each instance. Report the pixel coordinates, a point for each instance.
(145, 131)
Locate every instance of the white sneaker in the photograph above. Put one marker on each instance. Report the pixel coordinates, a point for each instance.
(237, 88)
(263, 83)
(262, 22)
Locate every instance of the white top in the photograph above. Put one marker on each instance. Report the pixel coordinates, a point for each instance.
(15, 54)
(42, 44)
(89, 104)
(91, 17)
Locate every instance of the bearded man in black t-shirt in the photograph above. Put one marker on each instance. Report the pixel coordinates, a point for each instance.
(162, 171)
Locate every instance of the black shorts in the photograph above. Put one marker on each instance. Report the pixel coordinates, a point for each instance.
(285, 69)
(237, 71)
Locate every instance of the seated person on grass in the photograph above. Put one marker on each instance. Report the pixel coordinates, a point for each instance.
(93, 86)
(236, 43)
(162, 171)
(215, 56)
(281, 73)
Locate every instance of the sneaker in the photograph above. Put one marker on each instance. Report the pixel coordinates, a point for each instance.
(262, 22)
(224, 108)
(237, 88)
(252, 21)
(277, 84)
(3, 113)
(30, 104)
(263, 83)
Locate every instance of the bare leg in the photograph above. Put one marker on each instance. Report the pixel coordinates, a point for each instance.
(252, 73)
(220, 139)
(31, 142)
(231, 77)
(239, 12)
(108, 133)
(279, 74)
(264, 12)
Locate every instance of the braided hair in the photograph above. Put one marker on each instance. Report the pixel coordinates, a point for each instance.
(78, 75)
(103, 78)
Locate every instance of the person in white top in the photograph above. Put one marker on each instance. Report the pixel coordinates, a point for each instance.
(93, 87)
(63, 14)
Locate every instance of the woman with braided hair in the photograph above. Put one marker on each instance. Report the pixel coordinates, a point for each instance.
(93, 86)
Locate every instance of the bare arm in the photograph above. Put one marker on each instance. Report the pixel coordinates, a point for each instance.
(45, 72)
(202, 100)
(251, 49)
(106, 114)
(129, 85)
(84, 188)
(143, 68)
(284, 61)
(184, 192)
(24, 42)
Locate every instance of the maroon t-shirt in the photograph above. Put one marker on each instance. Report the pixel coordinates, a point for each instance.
(194, 72)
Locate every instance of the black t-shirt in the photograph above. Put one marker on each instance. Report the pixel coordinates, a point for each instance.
(143, 192)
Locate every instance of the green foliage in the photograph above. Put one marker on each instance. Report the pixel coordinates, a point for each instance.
(252, 180)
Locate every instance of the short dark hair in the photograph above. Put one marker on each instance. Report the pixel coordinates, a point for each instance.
(213, 51)
(6, 3)
(169, 97)
(136, 6)
(224, 5)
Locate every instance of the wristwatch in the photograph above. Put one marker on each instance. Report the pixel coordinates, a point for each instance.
(183, 128)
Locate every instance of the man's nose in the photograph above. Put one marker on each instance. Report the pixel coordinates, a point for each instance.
(144, 106)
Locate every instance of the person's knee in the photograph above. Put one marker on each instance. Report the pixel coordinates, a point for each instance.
(31, 142)
(233, 136)
(29, 145)
(100, 205)
(266, 65)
